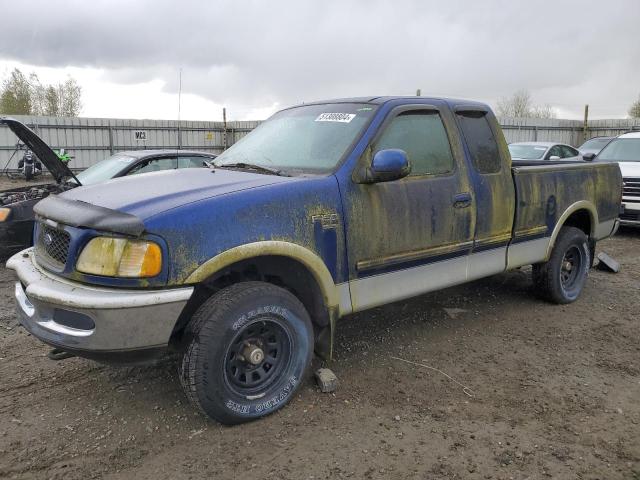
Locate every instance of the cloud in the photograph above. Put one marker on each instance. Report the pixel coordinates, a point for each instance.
(254, 54)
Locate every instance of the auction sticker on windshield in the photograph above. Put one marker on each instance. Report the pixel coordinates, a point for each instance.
(335, 117)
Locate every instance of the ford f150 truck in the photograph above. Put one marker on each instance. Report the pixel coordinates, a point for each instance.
(325, 209)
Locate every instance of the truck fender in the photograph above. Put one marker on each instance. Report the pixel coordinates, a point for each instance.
(333, 296)
(580, 205)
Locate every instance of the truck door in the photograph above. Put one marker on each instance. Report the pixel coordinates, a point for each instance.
(490, 170)
(412, 235)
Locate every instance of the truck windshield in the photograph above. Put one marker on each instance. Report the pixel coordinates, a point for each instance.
(621, 150)
(527, 152)
(305, 139)
(105, 169)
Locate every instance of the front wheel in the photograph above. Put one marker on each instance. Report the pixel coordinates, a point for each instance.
(249, 346)
(562, 278)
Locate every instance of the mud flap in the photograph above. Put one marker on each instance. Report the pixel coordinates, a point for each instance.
(325, 338)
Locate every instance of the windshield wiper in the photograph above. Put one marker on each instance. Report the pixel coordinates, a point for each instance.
(253, 166)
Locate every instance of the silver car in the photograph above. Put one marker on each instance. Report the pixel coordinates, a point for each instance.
(543, 151)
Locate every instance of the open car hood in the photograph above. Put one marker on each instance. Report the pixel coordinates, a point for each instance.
(58, 169)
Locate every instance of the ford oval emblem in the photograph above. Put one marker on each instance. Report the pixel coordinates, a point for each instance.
(48, 239)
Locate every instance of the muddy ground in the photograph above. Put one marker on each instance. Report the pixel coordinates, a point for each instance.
(553, 392)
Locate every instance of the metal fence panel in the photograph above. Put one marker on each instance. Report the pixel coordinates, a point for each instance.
(563, 131)
(90, 140)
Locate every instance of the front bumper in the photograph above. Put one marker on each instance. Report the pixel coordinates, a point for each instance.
(94, 322)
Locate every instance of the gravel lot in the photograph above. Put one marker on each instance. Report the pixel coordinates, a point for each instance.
(553, 392)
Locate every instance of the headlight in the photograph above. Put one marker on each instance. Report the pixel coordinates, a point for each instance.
(4, 213)
(119, 257)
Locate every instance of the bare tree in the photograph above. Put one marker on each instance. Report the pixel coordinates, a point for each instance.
(517, 105)
(634, 110)
(520, 105)
(543, 111)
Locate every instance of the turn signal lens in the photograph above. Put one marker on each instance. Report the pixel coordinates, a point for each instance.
(140, 259)
(4, 214)
(119, 257)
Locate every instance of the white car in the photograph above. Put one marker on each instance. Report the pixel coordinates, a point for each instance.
(543, 151)
(625, 150)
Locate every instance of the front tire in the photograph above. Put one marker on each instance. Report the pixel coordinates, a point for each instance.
(562, 278)
(249, 347)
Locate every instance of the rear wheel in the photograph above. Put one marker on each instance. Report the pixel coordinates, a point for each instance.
(249, 347)
(562, 278)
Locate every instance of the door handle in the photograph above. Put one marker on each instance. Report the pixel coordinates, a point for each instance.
(462, 200)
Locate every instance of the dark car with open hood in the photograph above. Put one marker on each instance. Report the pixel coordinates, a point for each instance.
(16, 204)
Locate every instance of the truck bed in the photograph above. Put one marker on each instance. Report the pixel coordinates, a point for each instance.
(546, 191)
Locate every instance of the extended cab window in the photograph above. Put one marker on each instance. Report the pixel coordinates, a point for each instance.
(422, 135)
(480, 141)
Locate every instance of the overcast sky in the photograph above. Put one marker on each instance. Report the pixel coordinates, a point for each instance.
(255, 57)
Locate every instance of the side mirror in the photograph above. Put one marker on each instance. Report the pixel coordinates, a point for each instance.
(588, 157)
(554, 157)
(388, 165)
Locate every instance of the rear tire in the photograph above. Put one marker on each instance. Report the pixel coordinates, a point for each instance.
(249, 347)
(562, 278)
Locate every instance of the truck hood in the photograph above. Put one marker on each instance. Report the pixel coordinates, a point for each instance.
(630, 169)
(58, 169)
(143, 196)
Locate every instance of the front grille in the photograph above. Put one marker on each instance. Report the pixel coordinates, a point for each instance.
(631, 187)
(52, 244)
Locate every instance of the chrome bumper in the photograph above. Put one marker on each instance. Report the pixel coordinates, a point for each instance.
(630, 216)
(630, 223)
(81, 318)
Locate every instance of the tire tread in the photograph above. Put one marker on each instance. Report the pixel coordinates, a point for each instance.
(211, 312)
(546, 285)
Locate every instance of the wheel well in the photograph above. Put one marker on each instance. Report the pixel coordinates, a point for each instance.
(282, 271)
(580, 219)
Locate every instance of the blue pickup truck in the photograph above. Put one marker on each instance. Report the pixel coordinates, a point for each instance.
(325, 209)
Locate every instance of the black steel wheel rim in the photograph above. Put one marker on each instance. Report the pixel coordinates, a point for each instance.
(257, 356)
(571, 267)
